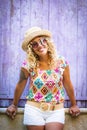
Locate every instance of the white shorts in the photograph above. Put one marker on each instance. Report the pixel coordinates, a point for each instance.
(35, 116)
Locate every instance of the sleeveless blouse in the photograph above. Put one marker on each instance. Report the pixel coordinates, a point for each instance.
(46, 85)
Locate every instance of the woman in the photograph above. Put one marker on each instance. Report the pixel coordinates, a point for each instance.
(48, 74)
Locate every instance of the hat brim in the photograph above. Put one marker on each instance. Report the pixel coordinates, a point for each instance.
(34, 35)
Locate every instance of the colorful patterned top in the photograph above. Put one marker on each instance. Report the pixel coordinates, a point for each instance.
(46, 85)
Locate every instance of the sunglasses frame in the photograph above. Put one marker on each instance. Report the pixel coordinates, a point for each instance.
(36, 45)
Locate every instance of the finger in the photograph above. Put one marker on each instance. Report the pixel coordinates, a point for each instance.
(77, 114)
(10, 114)
(73, 114)
(70, 111)
(13, 117)
(7, 113)
(14, 114)
(73, 111)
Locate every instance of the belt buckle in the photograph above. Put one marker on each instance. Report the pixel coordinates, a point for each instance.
(45, 106)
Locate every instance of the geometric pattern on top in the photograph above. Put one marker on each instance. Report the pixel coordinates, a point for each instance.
(44, 76)
(44, 90)
(50, 84)
(38, 83)
(47, 85)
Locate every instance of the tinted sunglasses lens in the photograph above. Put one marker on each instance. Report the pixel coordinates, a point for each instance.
(43, 41)
(34, 45)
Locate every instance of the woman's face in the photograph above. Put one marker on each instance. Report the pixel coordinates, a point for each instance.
(39, 46)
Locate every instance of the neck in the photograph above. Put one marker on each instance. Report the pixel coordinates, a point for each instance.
(43, 58)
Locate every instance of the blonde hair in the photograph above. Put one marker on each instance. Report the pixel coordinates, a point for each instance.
(33, 58)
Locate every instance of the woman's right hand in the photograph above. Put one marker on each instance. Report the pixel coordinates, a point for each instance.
(11, 111)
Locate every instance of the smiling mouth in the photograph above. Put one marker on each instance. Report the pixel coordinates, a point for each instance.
(41, 50)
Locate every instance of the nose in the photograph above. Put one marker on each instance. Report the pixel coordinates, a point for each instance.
(40, 44)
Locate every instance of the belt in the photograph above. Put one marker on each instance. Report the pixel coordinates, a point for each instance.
(46, 106)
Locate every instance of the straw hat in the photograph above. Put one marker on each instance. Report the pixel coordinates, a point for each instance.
(32, 33)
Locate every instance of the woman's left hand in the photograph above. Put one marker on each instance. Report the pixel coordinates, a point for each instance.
(74, 110)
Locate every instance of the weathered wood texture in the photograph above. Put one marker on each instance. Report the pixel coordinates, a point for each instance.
(66, 19)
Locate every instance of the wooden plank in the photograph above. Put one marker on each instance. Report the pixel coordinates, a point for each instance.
(67, 22)
(53, 20)
(25, 17)
(36, 13)
(25, 23)
(82, 49)
(45, 14)
(19, 11)
(67, 34)
(0, 47)
(14, 45)
(4, 45)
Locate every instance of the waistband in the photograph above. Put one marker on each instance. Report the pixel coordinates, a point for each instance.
(44, 106)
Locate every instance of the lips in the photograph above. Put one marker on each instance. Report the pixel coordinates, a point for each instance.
(41, 50)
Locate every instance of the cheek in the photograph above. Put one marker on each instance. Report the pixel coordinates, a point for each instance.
(35, 52)
(47, 48)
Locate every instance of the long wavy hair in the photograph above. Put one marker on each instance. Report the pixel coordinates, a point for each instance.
(33, 58)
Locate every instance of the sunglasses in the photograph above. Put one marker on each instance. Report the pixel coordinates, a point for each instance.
(35, 45)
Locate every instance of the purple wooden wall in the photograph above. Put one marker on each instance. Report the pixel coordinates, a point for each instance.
(66, 19)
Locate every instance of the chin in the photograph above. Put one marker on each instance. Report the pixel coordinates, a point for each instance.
(42, 53)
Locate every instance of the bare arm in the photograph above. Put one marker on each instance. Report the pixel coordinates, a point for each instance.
(68, 85)
(70, 91)
(12, 109)
(20, 85)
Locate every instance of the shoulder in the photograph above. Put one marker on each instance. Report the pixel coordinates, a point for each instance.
(25, 64)
(61, 60)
